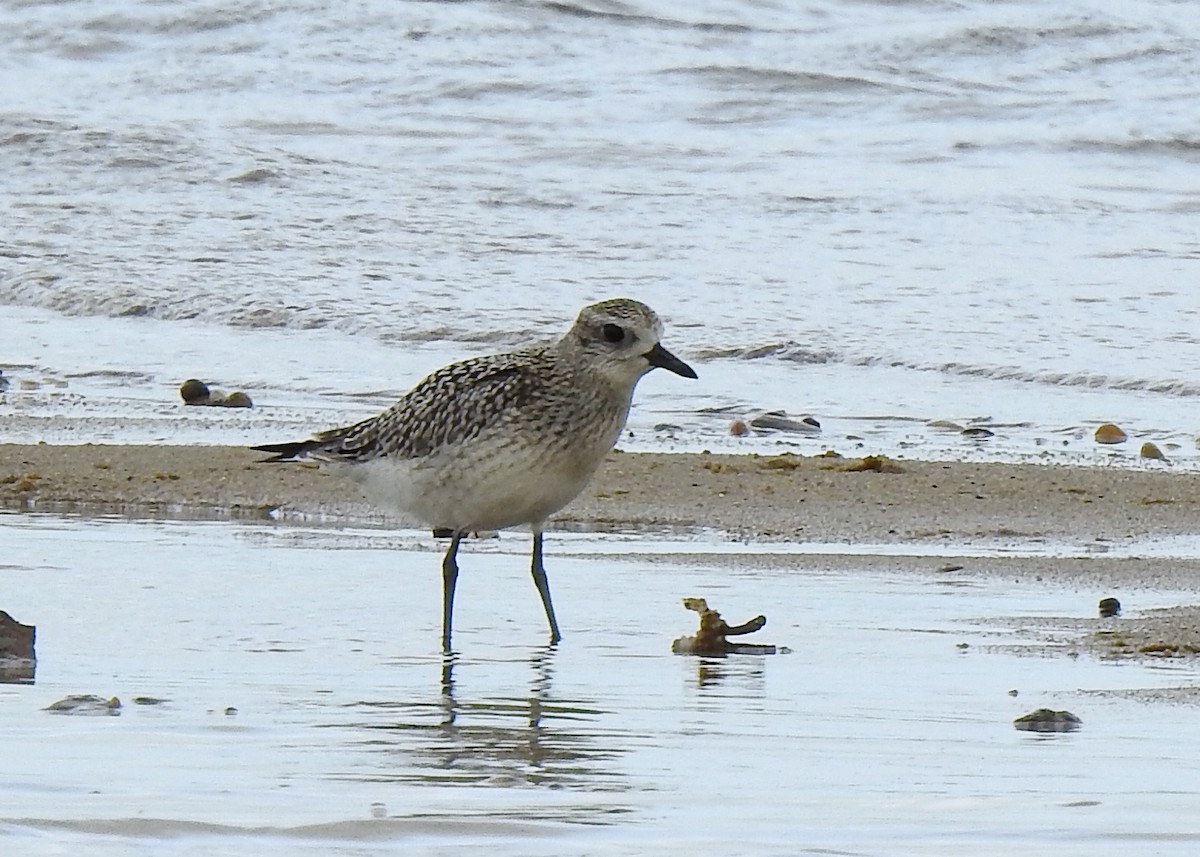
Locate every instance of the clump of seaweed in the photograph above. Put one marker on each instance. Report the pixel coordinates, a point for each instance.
(711, 638)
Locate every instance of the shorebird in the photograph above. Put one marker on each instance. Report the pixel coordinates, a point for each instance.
(503, 440)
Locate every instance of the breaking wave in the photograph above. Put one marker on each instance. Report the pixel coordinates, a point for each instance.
(799, 353)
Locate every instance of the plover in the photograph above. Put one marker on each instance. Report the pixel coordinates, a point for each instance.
(503, 440)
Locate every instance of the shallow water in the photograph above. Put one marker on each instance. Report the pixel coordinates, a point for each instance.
(878, 213)
(877, 734)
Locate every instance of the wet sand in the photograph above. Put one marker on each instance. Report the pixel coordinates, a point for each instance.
(782, 498)
(928, 506)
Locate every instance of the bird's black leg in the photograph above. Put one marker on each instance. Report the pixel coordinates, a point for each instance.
(543, 586)
(449, 579)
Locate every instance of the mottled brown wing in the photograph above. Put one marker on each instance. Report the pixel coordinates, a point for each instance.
(451, 406)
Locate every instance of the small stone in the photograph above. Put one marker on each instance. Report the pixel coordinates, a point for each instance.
(1047, 720)
(1149, 450)
(949, 567)
(236, 399)
(780, 421)
(85, 703)
(738, 428)
(1109, 433)
(230, 711)
(1109, 607)
(978, 433)
(194, 392)
(1013, 692)
(944, 425)
(18, 661)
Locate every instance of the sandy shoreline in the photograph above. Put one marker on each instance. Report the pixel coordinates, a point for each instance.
(931, 506)
(766, 498)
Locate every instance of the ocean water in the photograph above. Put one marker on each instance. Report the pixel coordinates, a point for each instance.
(282, 693)
(878, 214)
(890, 216)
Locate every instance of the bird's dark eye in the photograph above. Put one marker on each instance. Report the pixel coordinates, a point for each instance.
(614, 332)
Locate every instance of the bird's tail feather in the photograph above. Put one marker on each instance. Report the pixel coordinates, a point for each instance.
(289, 451)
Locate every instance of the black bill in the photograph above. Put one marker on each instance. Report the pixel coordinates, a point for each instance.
(659, 356)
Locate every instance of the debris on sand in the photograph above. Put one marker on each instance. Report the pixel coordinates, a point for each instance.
(195, 392)
(710, 639)
(873, 463)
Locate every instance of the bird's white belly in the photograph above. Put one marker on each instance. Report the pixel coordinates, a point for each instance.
(484, 492)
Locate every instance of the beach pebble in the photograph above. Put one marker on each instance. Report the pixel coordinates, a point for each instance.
(1149, 450)
(236, 399)
(195, 392)
(85, 703)
(17, 659)
(1047, 720)
(3, 382)
(978, 433)
(1109, 433)
(1109, 607)
(780, 421)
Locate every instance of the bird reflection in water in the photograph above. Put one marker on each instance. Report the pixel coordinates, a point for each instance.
(534, 739)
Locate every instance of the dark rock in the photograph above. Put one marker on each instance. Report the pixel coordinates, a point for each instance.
(18, 661)
(1109, 607)
(85, 704)
(1047, 720)
(194, 392)
(149, 700)
(780, 421)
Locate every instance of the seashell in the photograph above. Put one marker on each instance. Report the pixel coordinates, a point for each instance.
(1109, 433)
(1149, 450)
